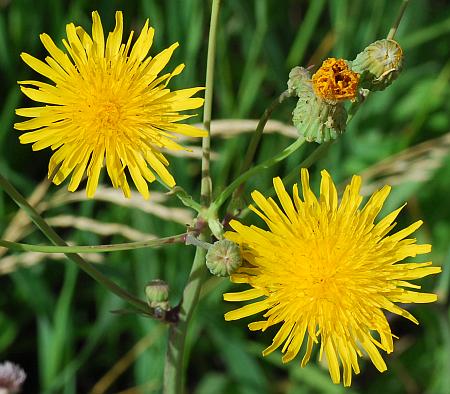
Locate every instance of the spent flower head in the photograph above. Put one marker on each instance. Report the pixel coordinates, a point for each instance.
(325, 271)
(106, 103)
(334, 81)
(315, 118)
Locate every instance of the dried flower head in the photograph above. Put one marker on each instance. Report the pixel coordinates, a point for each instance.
(106, 103)
(326, 271)
(334, 81)
(316, 119)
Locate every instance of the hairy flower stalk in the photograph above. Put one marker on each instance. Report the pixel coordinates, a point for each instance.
(325, 272)
(106, 105)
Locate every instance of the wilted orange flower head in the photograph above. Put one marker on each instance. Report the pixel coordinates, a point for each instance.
(335, 81)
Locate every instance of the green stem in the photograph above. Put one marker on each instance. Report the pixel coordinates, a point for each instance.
(174, 363)
(174, 368)
(206, 184)
(357, 105)
(315, 155)
(256, 140)
(152, 243)
(394, 27)
(57, 240)
(252, 171)
(257, 135)
(182, 195)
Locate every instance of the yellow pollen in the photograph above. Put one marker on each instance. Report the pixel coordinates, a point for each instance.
(108, 115)
(334, 81)
(100, 110)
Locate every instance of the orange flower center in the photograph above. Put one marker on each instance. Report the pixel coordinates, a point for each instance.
(334, 81)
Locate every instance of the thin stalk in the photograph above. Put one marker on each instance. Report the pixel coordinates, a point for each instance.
(206, 184)
(174, 367)
(315, 155)
(57, 240)
(186, 199)
(182, 195)
(357, 105)
(254, 170)
(152, 243)
(256, 140)
(394, 27)
(257, 135)
(174, 364)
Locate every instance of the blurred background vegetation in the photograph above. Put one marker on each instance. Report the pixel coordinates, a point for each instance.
(57, 323)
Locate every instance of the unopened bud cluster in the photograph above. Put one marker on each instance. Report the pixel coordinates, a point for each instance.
(320, 114)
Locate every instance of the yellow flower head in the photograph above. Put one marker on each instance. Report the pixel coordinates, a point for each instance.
(334, 81)
(106, 103)
(326, 271)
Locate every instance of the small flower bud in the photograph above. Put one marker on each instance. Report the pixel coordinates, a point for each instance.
(157, 293)
(223, 258)
(379, 64)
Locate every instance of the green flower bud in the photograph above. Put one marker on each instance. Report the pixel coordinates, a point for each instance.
(157, 293)
(379, 64)
(223, 258)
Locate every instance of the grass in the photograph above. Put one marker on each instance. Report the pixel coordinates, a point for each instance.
(57, 323)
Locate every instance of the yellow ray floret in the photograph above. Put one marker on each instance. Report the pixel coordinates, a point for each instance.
(324, 272)
(106, 105)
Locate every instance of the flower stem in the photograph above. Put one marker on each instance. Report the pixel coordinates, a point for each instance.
(394, 27)
(57, 240)
(185, 198)
(252, 171)
(174, 364)
(257, 135)
(256, 140)
(315, 155)
(152, 243)
(174, 367)
(206, 185)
